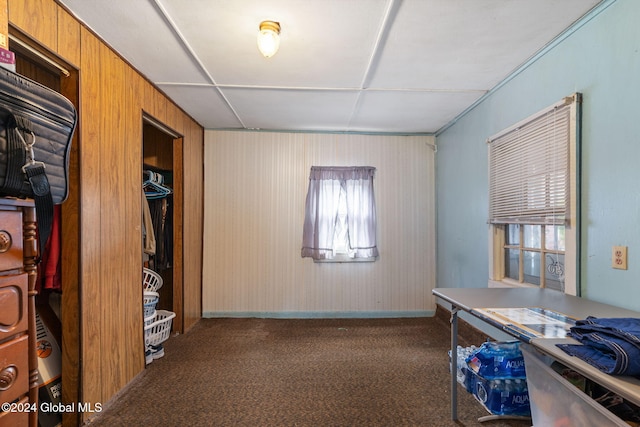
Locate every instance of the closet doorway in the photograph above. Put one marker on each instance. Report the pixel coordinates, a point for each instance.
(59, 308)
(162, 163)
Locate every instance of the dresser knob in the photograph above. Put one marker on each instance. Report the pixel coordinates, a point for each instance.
(5, 241)
(7, 377)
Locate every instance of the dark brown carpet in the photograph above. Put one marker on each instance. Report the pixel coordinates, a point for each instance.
(317, 372)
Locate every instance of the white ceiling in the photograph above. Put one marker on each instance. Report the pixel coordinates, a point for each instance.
(399, 66)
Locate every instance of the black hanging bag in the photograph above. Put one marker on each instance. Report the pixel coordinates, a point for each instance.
(36, 127)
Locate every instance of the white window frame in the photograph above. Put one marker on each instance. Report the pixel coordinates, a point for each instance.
(571, 214)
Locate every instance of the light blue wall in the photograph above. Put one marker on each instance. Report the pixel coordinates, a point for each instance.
(601, 59)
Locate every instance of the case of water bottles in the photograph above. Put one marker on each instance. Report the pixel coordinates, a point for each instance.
(495, 374)
(462, 371)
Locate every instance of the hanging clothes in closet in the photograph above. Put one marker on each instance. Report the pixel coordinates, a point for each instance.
(159, 198)
(49, 271)
(148, 235)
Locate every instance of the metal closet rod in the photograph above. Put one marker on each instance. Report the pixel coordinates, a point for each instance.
(25, 46)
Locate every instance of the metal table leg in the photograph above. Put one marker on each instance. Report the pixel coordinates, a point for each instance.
(454, 362)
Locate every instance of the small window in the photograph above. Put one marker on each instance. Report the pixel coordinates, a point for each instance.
(533, 200)
(340, 216)
(535, 254)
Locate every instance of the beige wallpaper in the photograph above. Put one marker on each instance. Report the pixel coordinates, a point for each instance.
(255, 187)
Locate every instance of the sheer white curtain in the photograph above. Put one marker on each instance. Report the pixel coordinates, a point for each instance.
(328, 187)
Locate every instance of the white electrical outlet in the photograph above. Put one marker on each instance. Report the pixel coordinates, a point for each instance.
(619, 257)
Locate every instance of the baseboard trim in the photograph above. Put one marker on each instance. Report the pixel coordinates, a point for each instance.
(318, 314)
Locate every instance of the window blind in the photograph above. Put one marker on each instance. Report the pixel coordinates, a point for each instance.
(529, 169)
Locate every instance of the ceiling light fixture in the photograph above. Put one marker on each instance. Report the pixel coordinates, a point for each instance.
(269, 38)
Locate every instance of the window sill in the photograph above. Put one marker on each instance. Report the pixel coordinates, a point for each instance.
(509, 284)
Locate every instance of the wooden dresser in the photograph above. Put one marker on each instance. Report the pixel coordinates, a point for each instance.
(18, 359)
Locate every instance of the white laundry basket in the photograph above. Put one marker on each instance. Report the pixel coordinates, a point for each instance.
(149, 301)
(160, 330)
(148, 320)
(151, 281)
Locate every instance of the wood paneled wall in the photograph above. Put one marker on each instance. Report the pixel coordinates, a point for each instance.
(4, 27)
(255, 189)
(112, 99)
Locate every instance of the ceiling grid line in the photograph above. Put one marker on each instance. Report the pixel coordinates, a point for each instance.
(385, 26)
(174, 28)
(383, 34)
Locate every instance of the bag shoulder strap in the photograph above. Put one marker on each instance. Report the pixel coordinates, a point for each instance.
(44, 202)
(35, 174)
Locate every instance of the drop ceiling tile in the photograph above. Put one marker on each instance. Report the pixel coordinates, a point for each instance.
(469, 44)
(138, 32)
(293, 110)
(324, 43)
(205, 104)
(409, 112)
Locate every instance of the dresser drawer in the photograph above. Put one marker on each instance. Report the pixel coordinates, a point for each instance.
(13, 303)
(16, 417)
(14, 368)
(10, 240)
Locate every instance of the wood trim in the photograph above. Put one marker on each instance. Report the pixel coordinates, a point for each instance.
(70, 298)
(178, 233)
